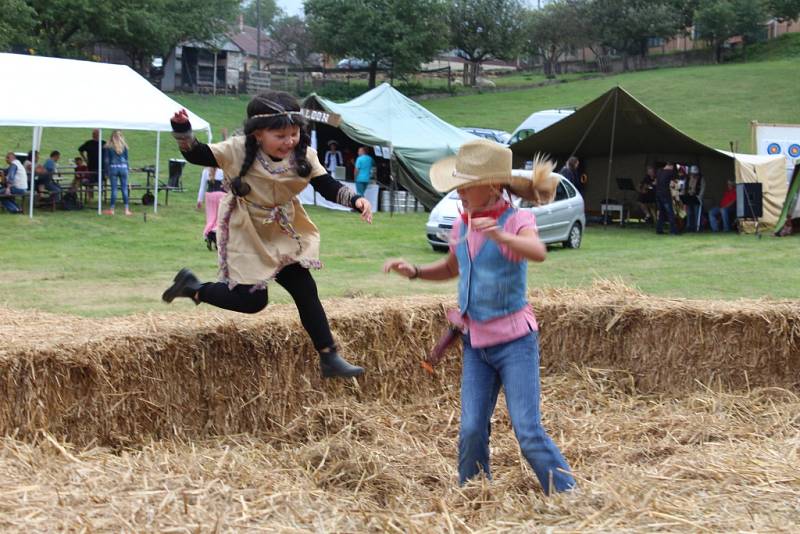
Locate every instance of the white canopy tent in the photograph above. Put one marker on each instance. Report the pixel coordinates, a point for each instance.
(84, 94)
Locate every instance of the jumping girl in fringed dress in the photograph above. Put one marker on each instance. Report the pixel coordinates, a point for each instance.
(263, 231)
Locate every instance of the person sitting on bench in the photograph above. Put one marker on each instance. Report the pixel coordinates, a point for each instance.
(725, 211)
(16, 183)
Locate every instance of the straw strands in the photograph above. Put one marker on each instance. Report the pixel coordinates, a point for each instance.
(675, 415)
(706, 462)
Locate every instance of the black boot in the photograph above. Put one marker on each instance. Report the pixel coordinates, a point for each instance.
(185, 284)
(211, 240)
(333, 365)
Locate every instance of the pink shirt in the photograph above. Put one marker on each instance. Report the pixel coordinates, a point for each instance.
(510, 327)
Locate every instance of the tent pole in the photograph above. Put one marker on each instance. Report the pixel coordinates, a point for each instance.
(392, 183)
(32, 177)
(611, 162)
(591, 125)
(100, 171)
(158, 159)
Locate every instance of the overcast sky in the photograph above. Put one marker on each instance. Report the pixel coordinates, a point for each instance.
(292, 7)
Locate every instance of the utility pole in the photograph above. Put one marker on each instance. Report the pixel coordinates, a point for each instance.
(258, 35)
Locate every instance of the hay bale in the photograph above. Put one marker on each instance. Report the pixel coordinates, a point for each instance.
(125, 380)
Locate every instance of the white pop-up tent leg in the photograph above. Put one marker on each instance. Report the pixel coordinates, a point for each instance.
(32, 177)
(100, 172)
(158, 159)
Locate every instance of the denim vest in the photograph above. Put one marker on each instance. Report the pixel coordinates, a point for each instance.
(489, 285)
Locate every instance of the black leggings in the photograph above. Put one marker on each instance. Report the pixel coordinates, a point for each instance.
(293, 278)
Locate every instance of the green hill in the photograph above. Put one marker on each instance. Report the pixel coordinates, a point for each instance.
(715, 104)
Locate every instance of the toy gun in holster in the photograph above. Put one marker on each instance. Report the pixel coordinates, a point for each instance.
(446, 340)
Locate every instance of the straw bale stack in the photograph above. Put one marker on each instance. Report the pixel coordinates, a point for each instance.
(124, 380)
(703, 462)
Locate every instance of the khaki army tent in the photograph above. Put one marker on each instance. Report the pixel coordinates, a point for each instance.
(616, 136)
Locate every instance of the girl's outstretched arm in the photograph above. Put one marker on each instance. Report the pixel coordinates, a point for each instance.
(333, 191)
(194, 151)
(444, 269)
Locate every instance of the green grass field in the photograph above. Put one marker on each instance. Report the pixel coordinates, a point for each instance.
(77, 262)
(714, 104)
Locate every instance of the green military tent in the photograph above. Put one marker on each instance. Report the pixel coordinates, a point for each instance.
(616, 136)
(385, 117)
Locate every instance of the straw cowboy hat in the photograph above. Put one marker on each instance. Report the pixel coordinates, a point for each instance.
(484, 162)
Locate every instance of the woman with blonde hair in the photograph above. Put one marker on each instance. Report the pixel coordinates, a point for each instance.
(115, 163)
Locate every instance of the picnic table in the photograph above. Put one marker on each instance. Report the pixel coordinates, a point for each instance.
(87, 191)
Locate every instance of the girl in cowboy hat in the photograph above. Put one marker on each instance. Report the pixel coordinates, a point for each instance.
(264, 233)
(489, 251)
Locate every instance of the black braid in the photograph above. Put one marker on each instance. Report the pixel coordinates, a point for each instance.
(300, 161)
(238, 185)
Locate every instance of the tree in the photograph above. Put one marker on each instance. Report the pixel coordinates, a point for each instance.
(293, 38)
(270, 12)
(627, 25)
(141, 28)
(64, 28)
(544, 33)
(16, 23)
(715, 21)
(163, 25)
(685, 10)
(403, 33)
(485, 29)
(750, 18)
(784, 10)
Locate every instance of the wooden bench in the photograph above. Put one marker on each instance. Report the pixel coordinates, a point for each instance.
(40, 200)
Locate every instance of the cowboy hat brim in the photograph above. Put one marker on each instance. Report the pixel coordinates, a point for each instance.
(445, 178)
(537, 186)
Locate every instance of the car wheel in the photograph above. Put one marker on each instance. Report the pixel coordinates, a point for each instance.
(575, 236)
(440, 248)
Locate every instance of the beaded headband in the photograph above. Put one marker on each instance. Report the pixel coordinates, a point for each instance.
(263, 115)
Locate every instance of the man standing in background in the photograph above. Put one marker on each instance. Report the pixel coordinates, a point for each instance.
(664, 199)
(333, 158)
(91, 153)
(570, 172)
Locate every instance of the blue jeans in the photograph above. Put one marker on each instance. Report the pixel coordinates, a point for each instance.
(727, 215)
(55, 190)
(361, 187)
(515, 366)
(122, 174)
(693, 212)
(9, 204)
(665, 212)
